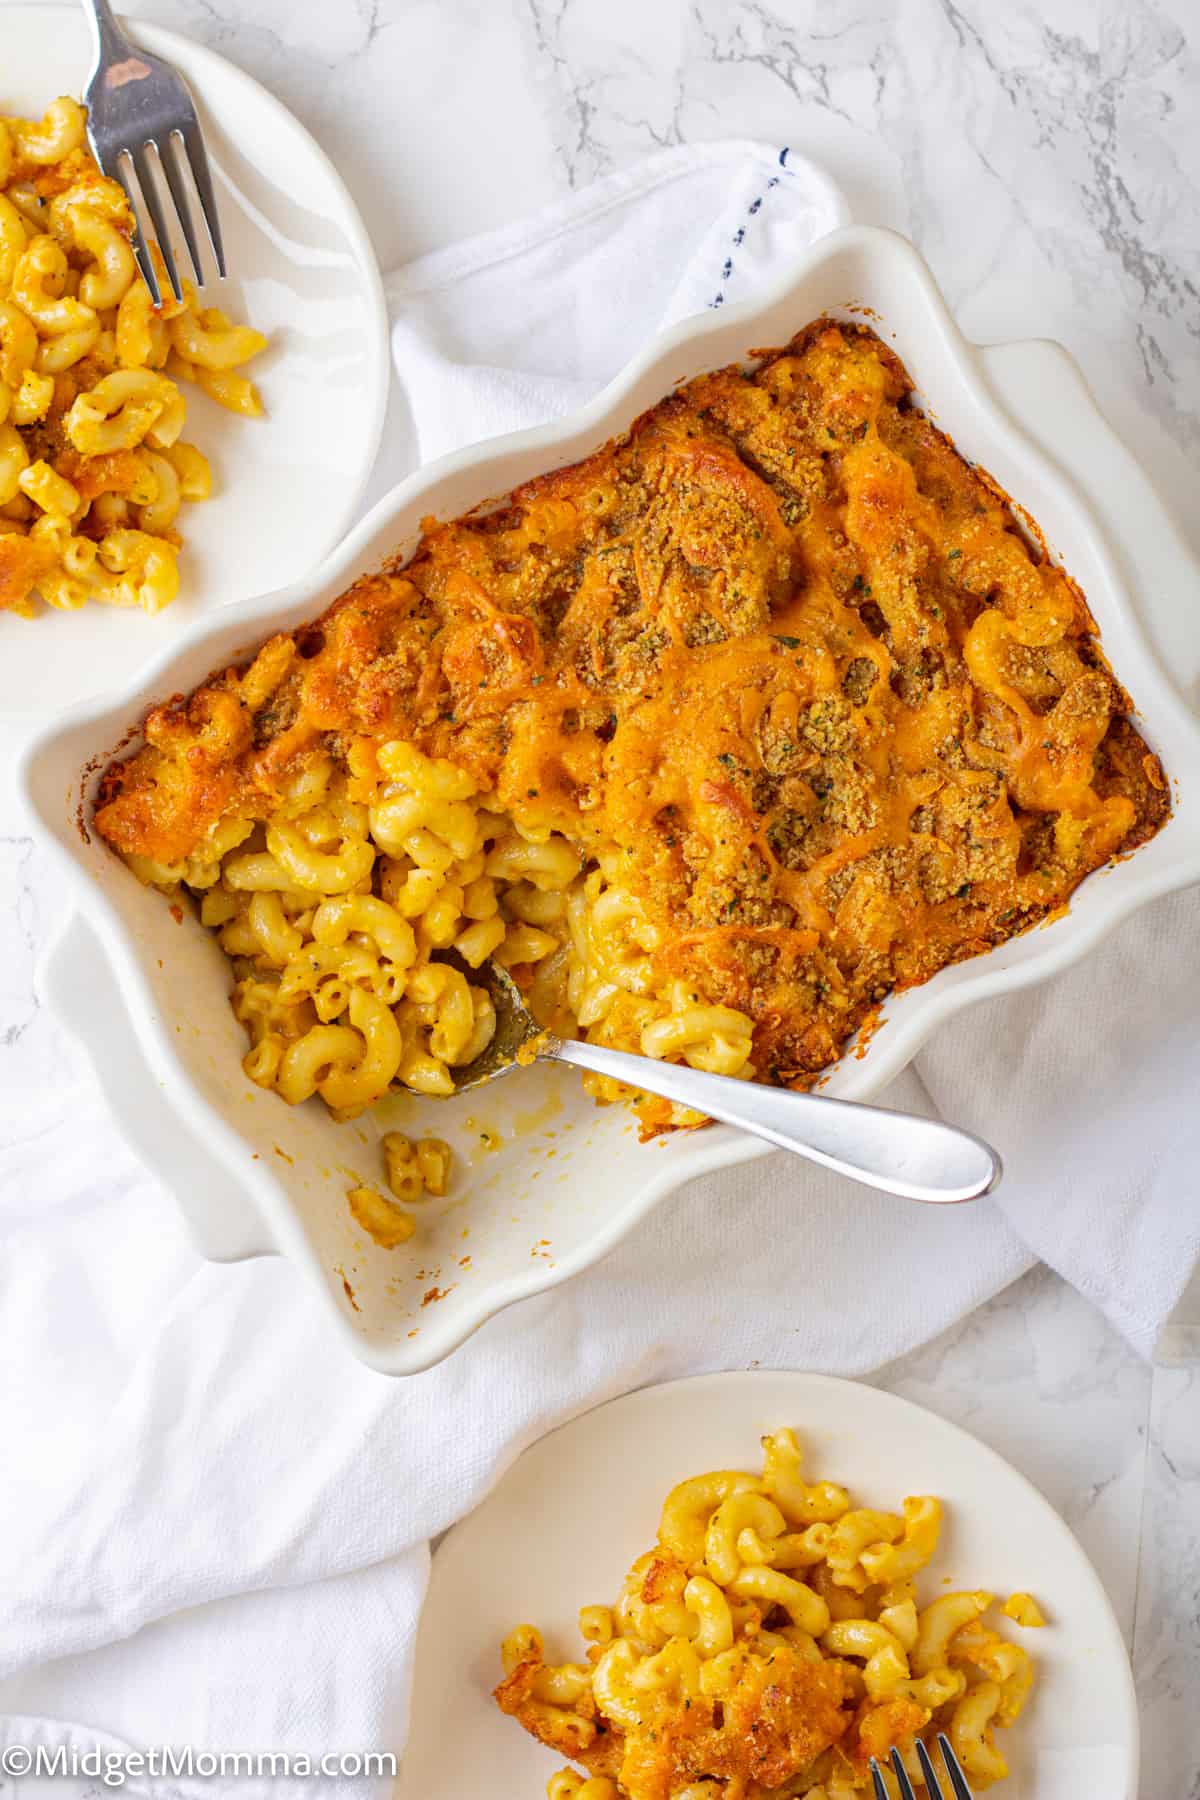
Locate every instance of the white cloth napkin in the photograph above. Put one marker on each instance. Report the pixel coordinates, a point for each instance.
(213, 1525)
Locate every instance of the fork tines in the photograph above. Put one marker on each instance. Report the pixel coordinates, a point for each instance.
(183, 148)
(933, 1787)
(144, 131)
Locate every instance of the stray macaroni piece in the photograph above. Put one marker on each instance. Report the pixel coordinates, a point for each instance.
(711, 741)
(1023, 1609)
(381, 1218)
(415, 1170)
(739, 1663)
(93, 469)
(434, 1159)
(567, 1785)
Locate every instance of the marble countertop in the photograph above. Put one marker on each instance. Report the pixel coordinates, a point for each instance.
(1046, 159)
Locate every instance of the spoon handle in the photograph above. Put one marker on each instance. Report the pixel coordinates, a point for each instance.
(898, 1152)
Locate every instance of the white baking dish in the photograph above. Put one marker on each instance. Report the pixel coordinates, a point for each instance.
(148, 995)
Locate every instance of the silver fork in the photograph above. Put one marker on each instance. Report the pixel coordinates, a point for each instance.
(933, 1787)
(140, 113)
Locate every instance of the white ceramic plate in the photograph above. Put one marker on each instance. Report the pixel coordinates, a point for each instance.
(254, 1175)
(303, 271)
(565, 1522)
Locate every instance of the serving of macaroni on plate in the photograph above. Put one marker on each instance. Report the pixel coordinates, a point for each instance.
(93, 466)
(771, 1644)
(712, 740)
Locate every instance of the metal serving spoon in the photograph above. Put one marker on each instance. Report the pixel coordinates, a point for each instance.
(898, 1152)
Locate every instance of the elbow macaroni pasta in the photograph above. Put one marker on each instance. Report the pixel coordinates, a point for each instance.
(414, 1171)
(335, 910)
(719, 1677)
(714, 739)
(93, 468)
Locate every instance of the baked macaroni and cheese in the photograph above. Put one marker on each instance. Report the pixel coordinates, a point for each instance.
(771, 1644)
(93, 466)
(712, 740)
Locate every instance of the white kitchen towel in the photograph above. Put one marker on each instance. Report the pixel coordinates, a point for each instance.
(521, 326)
(212, 1523)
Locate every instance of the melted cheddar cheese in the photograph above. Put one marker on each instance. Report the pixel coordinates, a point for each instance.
(771, 1645)
(776, 1715)
(780, 649)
